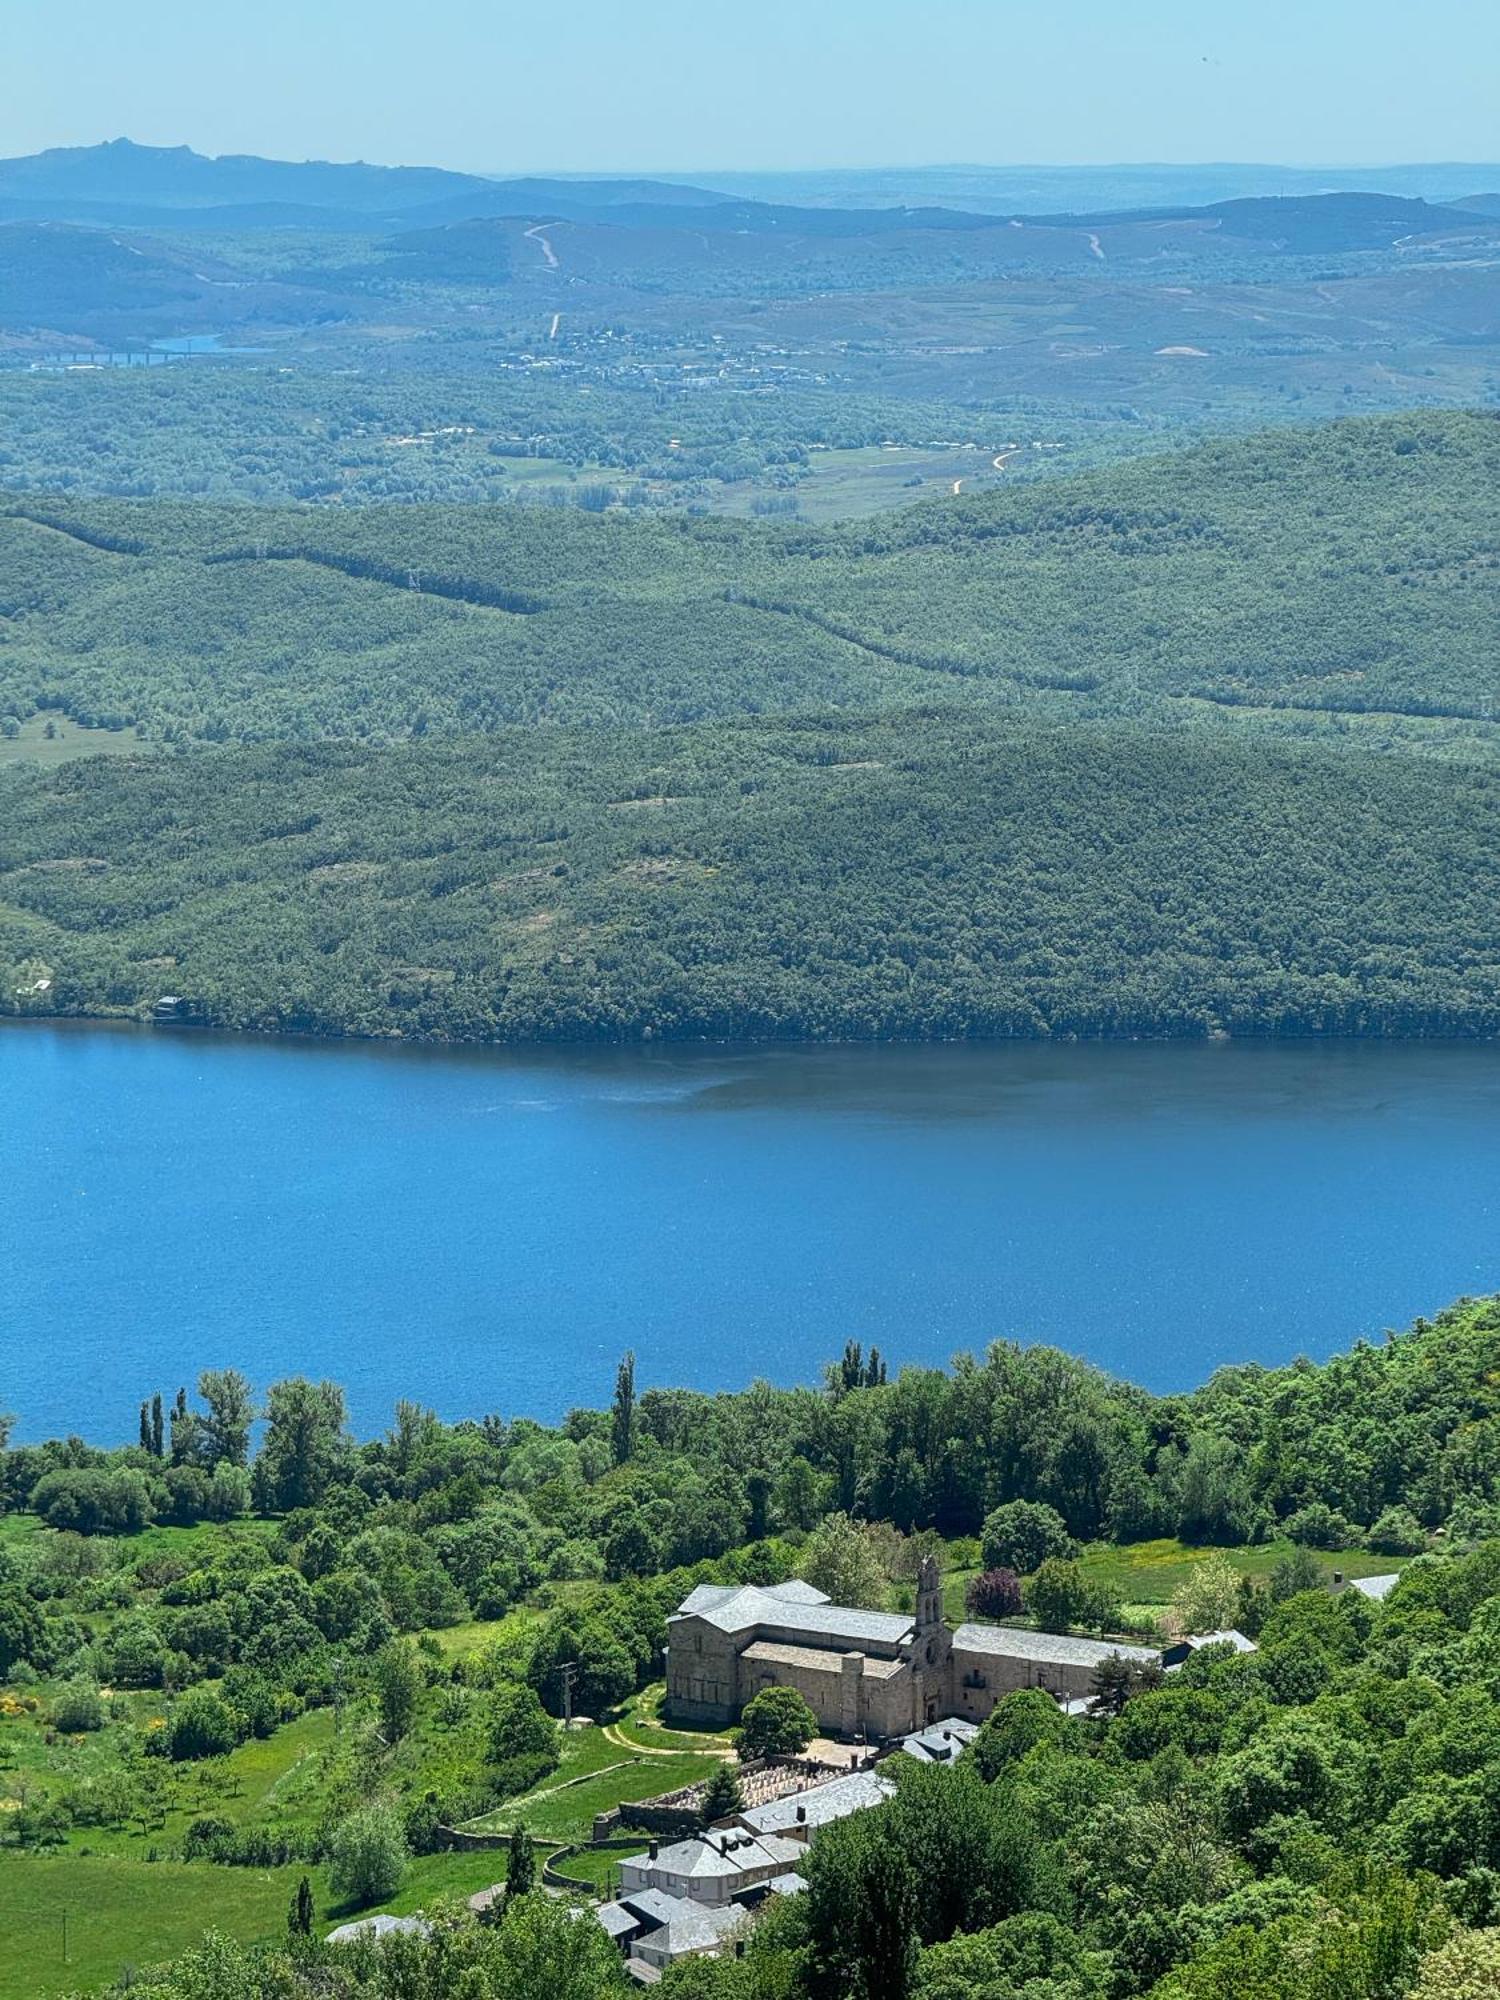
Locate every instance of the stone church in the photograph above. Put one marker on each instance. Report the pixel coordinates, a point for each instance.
(873, 1674)
(867, 1674)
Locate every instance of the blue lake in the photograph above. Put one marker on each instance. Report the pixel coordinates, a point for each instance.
(489, 1231)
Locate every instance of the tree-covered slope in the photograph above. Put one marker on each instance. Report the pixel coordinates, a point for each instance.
(925, 875)
(1347, 570)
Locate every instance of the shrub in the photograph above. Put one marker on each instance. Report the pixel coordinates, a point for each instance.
(210, 1838)
(78, 1709)
(1398, 1532)
(777, 1723)
(1022, 1535)
(94, 1500)
(520, 1727)
(367, 1856)
(202, 1726)
(518, 1774)
(994, 1593)
(1318, 1526)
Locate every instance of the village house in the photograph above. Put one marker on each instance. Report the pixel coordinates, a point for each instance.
(800, 1816)
(1182, 1650)
(721, 1866)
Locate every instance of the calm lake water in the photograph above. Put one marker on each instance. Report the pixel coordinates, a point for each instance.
(488, 1231)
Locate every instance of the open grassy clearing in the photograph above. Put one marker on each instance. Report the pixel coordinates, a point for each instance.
(32, 744)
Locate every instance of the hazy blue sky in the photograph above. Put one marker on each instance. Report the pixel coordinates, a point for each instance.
(698, 84)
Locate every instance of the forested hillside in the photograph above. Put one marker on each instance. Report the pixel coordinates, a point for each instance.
(1350, 569)
(928, 875)
(1194, 744)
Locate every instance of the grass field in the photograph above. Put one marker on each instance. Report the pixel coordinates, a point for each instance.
(1147, 1573)
(120, 1913)
(68, 740)
(1144, 1575)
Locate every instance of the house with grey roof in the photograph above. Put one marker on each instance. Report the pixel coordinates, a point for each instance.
(721, 1866)
(1182, 1650)
(654, 1930)
(800, 1816)
(1376, 1588)
(940, 1742)
(990, 1661)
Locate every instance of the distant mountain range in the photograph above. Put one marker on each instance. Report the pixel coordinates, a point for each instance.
(92, 240)
(142, 187)
(125, 185)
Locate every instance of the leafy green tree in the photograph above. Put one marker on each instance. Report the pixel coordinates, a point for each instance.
(78, 1708)
(1016, 1724)
(305, 1444)
(1022, 1535)
(23, 1629)
(398, 1681)
(1397, 1532)
(1208, 1599)
(367, 1856)
(776, 1723)
(1296, 1571)
(622, 1414)
(202, 1726)
(519, 1726)
(94, 1500)
(842, 1561)
(863, 1908)
(1466, 1967)
(223, 1434)
(299, 1918)
(1061, 1596)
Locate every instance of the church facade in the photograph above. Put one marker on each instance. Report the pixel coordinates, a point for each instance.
(871, 1675)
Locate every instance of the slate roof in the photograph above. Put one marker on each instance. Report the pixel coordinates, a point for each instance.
(617, 1920)
(743, 1609)
(940, 1742)
(1195, 1641)
(820, 1805)
(655, 1905)
(706, 1859)
(707, 1596)
(1377, 1588)
(691, 1926)
(1055, 1649)
(819, 1659)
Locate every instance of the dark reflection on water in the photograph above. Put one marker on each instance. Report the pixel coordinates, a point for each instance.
(488, 1229)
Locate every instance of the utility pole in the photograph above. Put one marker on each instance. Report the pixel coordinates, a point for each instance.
(568, 1674)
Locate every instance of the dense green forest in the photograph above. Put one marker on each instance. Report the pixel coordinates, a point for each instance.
(928, 875)
(236, 1660)
(1349, 570)
(1194, 744)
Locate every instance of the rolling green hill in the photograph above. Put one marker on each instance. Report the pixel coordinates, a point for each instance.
(1193, 744)
(1349, 570)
